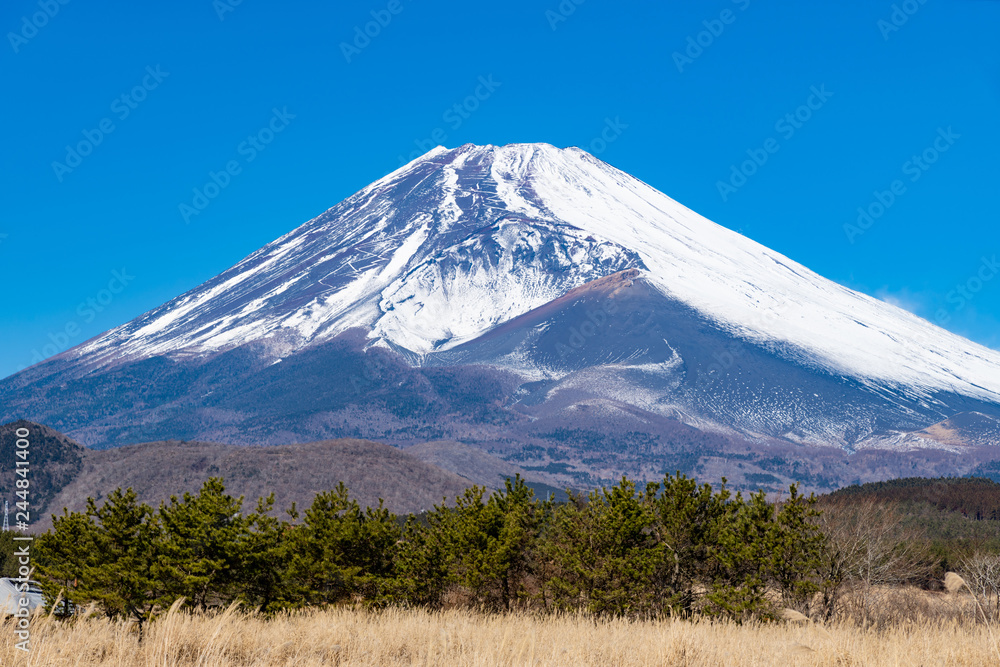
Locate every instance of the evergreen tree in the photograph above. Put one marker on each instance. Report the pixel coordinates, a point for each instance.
(64, 554)
(687, 520)
(674, 547)
(108, 553)
(342, 550)
(491, 543)
(737, 558)
(796, 548)
(263, 570)
(606, 554)
(8, 560)
(421, 567)
(204, 540)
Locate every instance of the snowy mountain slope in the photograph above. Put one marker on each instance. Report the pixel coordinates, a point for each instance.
(427, 256)
(620, 340)
(494, 257)
(759, 293)
(458, 241)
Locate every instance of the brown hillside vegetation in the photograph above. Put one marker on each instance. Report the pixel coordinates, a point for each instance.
(974, 497)
(295, 473)
(54, 461)
(417, 637)
(474, 464)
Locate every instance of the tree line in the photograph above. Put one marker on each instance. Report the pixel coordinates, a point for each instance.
(976, 498)
(674, 547)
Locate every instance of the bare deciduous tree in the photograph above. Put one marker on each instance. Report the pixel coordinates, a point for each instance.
(981, 572)
(867, 550)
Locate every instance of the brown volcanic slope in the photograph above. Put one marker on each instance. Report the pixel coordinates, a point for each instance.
(65, 474)
(965, 428)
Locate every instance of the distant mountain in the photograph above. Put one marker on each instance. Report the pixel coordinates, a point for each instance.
(51, 460)
(64, 474)
(543, 307)
(481, 468)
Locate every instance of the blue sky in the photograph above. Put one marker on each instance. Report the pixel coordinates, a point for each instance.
(854, 104)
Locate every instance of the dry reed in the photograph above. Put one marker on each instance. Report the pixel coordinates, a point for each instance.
(416, 637)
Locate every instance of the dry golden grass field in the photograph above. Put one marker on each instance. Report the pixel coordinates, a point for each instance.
(404, 637)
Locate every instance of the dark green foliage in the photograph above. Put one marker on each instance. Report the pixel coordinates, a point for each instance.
(422, 563)
(681, 548)
(688, 518)
(341, 550)
(605, 554)
(8, 561)
(490, 545)
(795, 546)
(738, 557)
(672, 548)
(761, 478)
(105, 555)
(262, 566)
(204, 537)
(133, 560)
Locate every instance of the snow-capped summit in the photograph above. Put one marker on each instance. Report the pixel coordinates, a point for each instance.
(459, 241)
(435, 253)
(501, 288)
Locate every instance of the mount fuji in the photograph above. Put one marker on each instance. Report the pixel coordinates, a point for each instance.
(545, 306)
